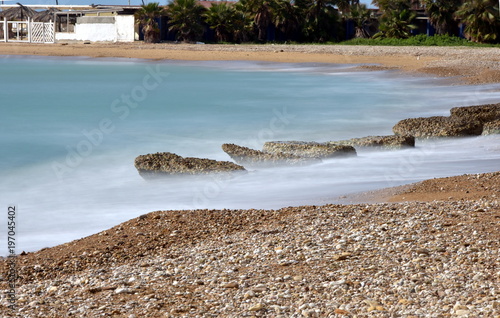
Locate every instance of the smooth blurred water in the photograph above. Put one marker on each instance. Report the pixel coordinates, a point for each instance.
(71, 128)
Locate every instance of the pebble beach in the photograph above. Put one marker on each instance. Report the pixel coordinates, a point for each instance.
(430, 249)
(408, 259)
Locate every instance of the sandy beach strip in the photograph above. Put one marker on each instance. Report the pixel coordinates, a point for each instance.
(466, 64)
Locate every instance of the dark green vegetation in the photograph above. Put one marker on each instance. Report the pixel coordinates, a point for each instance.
(146, 17)
(417, 40)
(396, 22)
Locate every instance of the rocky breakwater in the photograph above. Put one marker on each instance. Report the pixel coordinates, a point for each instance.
(255, 158)
(166, 163)
(392, 142)
(464, 121)
(309, 149)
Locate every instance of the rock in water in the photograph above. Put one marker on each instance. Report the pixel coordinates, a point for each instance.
(256, 158)
(437, 126)
(384, 142)
(309, 149)
(483, 113)
(492, 127)
(166, 163)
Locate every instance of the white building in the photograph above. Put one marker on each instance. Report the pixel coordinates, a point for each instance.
(110, 24)
(73, 23)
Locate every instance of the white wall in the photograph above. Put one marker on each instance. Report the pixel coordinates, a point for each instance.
(125, 27)
(122, 30)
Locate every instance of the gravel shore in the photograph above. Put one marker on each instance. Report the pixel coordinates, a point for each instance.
(409, 259)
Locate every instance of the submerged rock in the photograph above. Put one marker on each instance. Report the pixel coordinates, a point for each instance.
(492, 127)
(251, 157)
(309, 149)
(437, 126)
(166, 163)
(483, 113)
(385, 142)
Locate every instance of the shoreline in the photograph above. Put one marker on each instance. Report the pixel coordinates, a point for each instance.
(461, 64)
(404, 256)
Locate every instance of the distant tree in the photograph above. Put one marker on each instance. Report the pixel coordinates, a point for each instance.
(229, 21)
(481, 20)
(321, 20)
(243, 23)
(146, 17)
(221, 18)
(442, 15)
(343, 5)
(186, 19)
(262, 13)
(396, 20)
(286, 18)
(362, 19)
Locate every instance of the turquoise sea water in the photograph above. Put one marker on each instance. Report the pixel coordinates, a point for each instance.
(71, 128)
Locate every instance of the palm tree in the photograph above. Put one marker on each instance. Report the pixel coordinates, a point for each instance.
(243, 23)
(220, 17)
(146, 17)
(262, 12)
(481, 20)
(396, 21)
(362, 19)
(442, 15)
(186, 19)
(286, 18)
(321, 20)
(343, 5)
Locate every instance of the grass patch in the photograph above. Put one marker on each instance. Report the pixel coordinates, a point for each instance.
(418, 40)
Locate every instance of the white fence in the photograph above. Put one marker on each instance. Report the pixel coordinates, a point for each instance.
(27, 31)
(42, 32)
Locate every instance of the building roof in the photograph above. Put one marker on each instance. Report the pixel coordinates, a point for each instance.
(207, 4)
(17, 12)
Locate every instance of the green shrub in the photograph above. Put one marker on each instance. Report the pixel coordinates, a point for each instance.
(417, 40)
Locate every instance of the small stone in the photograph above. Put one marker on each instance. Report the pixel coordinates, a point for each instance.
(404, 301)
(231, 285)
(373, 305)
(298, 278)
(462, 312)
(52, 289)
(308, 312)
(341, 257)
(249, 294)
(343, 312)
(122, 290)
(459, 307)
(422, 251)
(257, 307)
(276, 308)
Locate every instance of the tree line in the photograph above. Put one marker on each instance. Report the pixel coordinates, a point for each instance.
(318, 21)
